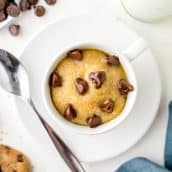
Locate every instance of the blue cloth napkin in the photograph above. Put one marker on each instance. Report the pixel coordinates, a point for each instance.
(141, 164)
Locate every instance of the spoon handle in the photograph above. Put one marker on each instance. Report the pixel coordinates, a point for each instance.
(71, 160)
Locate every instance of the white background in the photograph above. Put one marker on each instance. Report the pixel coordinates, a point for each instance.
(159, 36)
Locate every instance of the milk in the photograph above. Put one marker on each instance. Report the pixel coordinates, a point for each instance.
(148, 10)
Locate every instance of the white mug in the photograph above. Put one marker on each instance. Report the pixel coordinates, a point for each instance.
(125, 59)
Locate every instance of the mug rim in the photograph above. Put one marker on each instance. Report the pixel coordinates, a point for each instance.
(107, 126)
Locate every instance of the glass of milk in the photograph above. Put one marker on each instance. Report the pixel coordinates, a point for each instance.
(148, 10)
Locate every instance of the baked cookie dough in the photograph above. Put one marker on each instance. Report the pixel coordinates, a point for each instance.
(89, 87)
(12, 160)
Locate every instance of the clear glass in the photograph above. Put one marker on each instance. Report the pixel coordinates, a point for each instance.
(148, 10)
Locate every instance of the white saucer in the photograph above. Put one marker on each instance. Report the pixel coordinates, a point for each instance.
(107, 145)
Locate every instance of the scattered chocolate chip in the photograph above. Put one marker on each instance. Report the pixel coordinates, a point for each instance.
(94, 121)
(24, 5)
(50, 2)
(124, 86)
(13, 10)
(2, 16)
(55, 80)
(2, 4)
(39, 10)
(112, 60)
(107, 106)
(81, 85)
(75, 54)
(14, 29)
(97, 78)
(20, 158)
(70, 113)
(33, 2)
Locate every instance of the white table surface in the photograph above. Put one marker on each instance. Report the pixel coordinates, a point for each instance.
(159, 36)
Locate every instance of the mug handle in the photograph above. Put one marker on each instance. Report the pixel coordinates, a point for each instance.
(137, 48)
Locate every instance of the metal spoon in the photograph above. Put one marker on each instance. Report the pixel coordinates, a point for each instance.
(15, 80)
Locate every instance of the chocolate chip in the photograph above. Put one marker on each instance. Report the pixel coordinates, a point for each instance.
(94, 121)
(107, 106)
(24, 5)
(7, 147)
(13, 10)
(70, 113)
(14, 29)
(97, 78)
(81, 85)
(55, 80)
(124, 86)
(2, 16)
(112, 60)
(2, 4)
(39, 10)
(50, 2)
(33, 2)
(75, 54)
(20, 158)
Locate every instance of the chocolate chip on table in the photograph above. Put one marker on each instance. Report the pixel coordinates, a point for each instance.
(39, 10)
(2, 16)
(50, 2)
(13, 10)
(124, 86)
(107, 106)
(14, 29)
(33, 2)
(2, 4)
(10, 8)
(24, 5)
(97, 78)
(20, 158)
(55, 80)
(113, 60)
(75, 54)
(70, 113)
(81, 85)
(94, 121)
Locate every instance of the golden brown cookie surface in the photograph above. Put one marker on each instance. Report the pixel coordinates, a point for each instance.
(12, 160)
(90, 86)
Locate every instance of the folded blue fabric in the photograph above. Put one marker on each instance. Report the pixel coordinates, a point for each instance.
(168, 144)
(141, 164)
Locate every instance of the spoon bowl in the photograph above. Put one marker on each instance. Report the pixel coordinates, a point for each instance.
(14, 79)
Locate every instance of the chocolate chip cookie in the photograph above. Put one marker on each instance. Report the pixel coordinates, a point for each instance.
(89, 87)
(12, 160)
